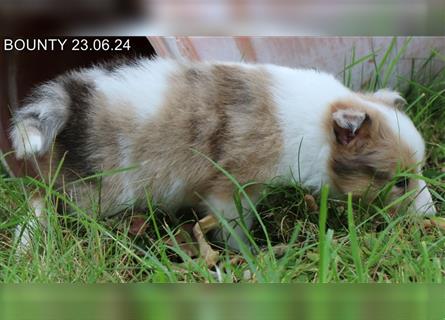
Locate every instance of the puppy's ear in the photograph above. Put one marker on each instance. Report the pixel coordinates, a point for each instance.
(347, 124)
(390, 97)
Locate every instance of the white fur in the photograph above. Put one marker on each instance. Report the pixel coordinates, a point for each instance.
(148, 80)
(390, 97)
(301, 97)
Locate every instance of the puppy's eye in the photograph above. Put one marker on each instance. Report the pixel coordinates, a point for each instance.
(402, 183)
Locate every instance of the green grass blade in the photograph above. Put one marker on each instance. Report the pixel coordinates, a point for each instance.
(394, 62)
(323, 245)
(355, 247)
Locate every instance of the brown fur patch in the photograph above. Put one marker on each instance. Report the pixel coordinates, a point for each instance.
(227, 114)
(371, 159)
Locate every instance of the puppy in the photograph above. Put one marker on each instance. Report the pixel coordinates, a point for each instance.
(164, 122)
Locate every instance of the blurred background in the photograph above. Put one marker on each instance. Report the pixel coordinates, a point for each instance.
(223, 17)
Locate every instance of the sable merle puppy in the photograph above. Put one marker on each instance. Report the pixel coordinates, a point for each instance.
(259, 122)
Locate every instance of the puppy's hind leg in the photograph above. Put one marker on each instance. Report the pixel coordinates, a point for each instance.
(84, 197)
(24, 232)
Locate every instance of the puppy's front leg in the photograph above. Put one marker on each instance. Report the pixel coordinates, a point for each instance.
(224, 205)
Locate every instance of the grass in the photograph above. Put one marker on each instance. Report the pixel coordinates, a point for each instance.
(293, 242)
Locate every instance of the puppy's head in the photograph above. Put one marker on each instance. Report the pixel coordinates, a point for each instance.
(375, 146)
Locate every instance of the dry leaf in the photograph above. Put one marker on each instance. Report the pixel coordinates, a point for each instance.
(237, 260)
(138, 225)
(392, 212)
(184, 241)
(279, 250)
(310, 202)
(438, 222)
(206, 252)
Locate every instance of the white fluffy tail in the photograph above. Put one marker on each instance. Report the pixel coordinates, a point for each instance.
(27, 140)
(35, 126)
